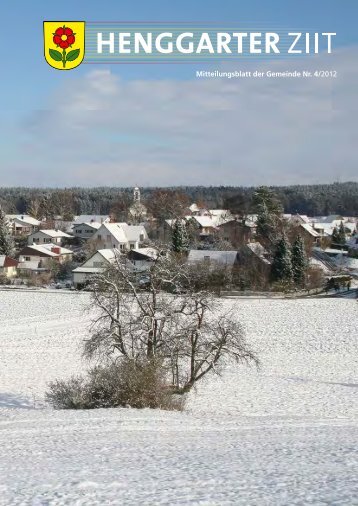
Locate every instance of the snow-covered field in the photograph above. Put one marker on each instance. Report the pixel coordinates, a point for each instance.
(283, 435)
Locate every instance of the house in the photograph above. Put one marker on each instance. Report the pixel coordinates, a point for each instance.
(48, 237)
(206, 224)
(139, 260)
(254, 267)
(119, 236)
(236, 232)
(85, 230)
(8, 266)
(310, 236)
(136, 235)
(143, 258)
(94, 265)
(39, 257)
(23, 224)
(257, 251)
(212, 257)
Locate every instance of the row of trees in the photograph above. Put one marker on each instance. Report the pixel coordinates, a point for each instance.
(314, 200)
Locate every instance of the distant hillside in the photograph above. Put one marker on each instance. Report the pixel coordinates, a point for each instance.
(336, 198)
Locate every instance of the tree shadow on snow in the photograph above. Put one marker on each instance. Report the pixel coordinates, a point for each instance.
(15, 401)
(307, 380)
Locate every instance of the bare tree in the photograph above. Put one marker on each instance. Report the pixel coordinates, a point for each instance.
(167, 317)
(165, 204)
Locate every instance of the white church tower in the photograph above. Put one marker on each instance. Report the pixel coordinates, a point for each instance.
(137, 211)
(136, 194)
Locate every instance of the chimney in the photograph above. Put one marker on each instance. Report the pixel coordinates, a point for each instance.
(56, 249)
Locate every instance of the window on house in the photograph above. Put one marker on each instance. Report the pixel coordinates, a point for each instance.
(97, 264)
(131, 246)
(27, 259)
(78, 231)
(108, 237)
(99, 237)
(141, 237)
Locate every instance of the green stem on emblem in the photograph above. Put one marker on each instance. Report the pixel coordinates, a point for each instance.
(64, 58)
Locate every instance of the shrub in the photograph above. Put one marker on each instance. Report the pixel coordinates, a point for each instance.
(4, 280)
(128, 383)
(71, 394)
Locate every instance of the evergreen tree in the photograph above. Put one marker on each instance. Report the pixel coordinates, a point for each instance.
(341, 234)
(7, 245)
(335, 236)
(299, 261)
(180, 240)
(268, 210)
(281, 268)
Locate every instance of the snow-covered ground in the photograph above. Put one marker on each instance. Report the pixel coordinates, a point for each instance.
(283, 435)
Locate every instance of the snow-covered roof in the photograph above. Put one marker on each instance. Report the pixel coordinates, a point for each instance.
(331, 218)
(218, 212)
(351, 226)
(148, 252)
(115, 229)
(24, 218)
(88, 270)
(258, 250)
(315, 262)
(333, 251)
(63, 251)
(183, 220)
(223, 257)
(88, 218)
(251, 217)
(133, 232)
(48, 249)
(327, 228)
(108, 254)
(92, 224)
(194, 208)
(205, 221)
(53, 233)
(310, 229)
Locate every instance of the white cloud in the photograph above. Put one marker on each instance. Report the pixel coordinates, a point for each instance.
(103, 130)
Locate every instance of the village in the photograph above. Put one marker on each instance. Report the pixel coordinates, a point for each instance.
(65, 253)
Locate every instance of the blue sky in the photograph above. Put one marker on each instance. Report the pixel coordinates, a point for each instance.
(28, 85)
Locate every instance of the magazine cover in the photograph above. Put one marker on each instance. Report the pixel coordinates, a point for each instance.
(179, 253)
